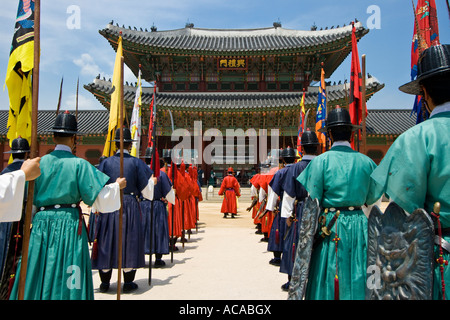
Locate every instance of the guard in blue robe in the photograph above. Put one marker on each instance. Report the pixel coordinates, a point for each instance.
(163, 192)
(278, 228)
(94, 217)
(11, 246)
(292, 206)
(138, 176)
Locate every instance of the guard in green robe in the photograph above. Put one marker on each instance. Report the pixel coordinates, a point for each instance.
(339, 179)
(415, 172)
(59, 265)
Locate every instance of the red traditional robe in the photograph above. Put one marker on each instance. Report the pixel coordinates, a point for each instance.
(230, 189)
(177, 215)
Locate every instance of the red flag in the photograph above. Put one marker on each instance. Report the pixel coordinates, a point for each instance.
(150, 123)
(426, 34)
(355, 105)
(155, 163)
(151, 137)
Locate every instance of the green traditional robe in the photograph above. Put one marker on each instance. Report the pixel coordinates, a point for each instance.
(340, 177)
(59, 266)
(415, 173)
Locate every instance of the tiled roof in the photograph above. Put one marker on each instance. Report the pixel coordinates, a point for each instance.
(379, 122)
(389, 121)
(224, 101)
(89, 121)
(233, 40)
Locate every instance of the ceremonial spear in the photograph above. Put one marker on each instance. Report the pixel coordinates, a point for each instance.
(34, 149)
(119, 263)
(154, 157)
(173, 184)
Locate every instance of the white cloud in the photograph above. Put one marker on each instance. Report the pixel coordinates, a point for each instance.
(84, 102)
(87, 65)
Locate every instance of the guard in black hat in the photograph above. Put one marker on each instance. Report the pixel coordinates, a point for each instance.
(19, 146)
(339, 118)
(415, 171)
(126, 137)
(140, 184)
(339, 180)
(163, 193)
(11, 232)
(274, 204)
(292, 206)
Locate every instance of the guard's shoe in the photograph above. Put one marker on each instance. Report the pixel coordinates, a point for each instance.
(285, 287)
(129, 287)
(159, 263)
(275, 261)
(104, 287)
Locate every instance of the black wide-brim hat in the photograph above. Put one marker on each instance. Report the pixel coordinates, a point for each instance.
(66, 123)
(339, 117)
(289, 153)
(147, 154)
(309, 138)
(126, 135)
(433, 61)
(19, 145)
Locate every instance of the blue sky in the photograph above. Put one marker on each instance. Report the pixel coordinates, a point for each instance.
(83, 53)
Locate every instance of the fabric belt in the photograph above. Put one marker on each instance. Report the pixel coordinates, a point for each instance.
(58, 206)
(66, 206)
(349, 208)
(232, 189)
(144, 199)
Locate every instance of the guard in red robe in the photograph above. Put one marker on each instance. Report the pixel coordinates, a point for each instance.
(230, 188)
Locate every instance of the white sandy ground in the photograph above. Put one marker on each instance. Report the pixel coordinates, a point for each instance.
(223, 260)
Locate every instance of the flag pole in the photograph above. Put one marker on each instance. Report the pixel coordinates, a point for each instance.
(33, 152)
(76, 115)
(120, 249)
(363, 104)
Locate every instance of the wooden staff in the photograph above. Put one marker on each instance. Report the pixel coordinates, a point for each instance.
(119, 263)
(33, 152)
(172, 239)
(363, 105)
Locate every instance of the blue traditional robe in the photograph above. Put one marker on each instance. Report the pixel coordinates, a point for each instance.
(137, 174)
(294, 190)
(160, 239)
(278, 228)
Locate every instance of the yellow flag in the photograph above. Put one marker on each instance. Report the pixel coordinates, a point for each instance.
(110, 147)
(19, 73)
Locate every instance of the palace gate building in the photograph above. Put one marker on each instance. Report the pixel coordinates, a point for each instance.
(227, 79)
